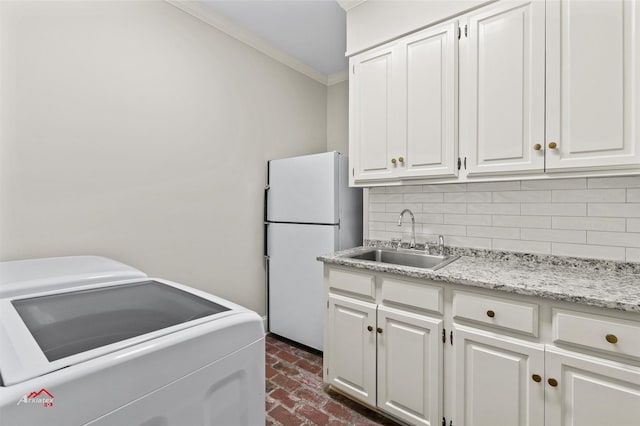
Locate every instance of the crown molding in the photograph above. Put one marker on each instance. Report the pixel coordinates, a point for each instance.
(338, 77)
(229, 27)
(349, 4)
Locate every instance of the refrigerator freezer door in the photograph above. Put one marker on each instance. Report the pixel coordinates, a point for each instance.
(304, 189)
(295, 280)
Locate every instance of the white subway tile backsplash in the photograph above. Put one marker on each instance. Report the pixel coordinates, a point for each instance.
(555, 235)
(377, 190)
(467, 219)
(435, 229)
(614, 182)
(619, 239)
(633, 195)
(633, 255)
(555, 209)
(472, 242)
(405, 227)
(494, 208)
(385, 198)
(511, 185)
(522, 197)
(578, 183)
(467, 197)
(589, 223)
(493, 232)
(582, 217)
(613, 195)
(633, 225)
(444, 208)
(383, 217)
(614, 209)
(522, 221)
(429, 217)
(522, 246)
(424, 197)
(406, 189)
(593, 251)
(398, 207)
(377, 207)
(449, 187)
(377, 226)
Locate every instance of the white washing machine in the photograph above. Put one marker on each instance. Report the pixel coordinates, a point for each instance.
(85, 340)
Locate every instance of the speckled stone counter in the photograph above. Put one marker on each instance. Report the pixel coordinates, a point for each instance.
(590, 282)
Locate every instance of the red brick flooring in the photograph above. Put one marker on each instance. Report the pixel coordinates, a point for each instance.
(296, 394)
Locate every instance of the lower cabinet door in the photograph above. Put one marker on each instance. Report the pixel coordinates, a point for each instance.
(410, 366)
(352, 346)
(498, 380)
(586, 391)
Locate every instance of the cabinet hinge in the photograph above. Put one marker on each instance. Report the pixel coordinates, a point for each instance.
(459, 163)
(466, 33)
(444, 336)
(444, 422)
(459, 33)
(451, 337)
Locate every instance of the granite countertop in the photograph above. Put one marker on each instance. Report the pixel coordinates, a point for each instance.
(590, 282)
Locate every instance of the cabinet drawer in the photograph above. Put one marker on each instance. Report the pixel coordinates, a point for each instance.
(507, 314)
(412, 293)
(353, 282)
(597, 332)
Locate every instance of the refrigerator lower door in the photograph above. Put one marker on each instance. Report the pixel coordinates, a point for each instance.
(296, 280)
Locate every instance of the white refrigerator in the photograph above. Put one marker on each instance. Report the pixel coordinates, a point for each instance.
(309, 210)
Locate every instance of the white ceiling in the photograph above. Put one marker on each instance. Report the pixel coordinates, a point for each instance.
(313, 31)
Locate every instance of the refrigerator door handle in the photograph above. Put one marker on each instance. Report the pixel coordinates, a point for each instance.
(266, 289)
(266, 195)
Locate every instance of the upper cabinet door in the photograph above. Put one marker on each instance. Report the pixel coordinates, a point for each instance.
(429, 107)
(372, 94)
(504, 88)
(593, 83)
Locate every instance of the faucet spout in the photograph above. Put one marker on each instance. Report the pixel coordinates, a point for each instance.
(412, 243)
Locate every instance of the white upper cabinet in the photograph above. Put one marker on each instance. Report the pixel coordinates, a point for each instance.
(503, 96)
(429, 102)
(527, 87)
(371, 104)
(403, 107)
(593, 84)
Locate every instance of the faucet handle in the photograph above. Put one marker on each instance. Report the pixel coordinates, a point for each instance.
(395, 242)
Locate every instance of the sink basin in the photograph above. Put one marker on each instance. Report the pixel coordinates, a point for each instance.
(405, 258)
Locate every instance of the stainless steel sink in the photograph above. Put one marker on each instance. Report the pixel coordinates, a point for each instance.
(405, 258)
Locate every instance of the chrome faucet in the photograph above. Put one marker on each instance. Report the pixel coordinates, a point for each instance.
(439, 245)
(412, 243)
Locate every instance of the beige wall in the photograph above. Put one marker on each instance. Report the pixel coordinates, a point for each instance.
(135, 131)
(338, 117)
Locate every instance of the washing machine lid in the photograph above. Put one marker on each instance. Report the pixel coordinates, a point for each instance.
(27, 276)
(43, 332)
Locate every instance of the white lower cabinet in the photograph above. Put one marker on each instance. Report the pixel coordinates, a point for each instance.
(498, 380)
(430, 353)
(587, 391)
(382, 348)
(410, 366)
(352, 364)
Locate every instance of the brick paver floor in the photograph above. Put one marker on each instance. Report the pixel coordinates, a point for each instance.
(296, 394)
